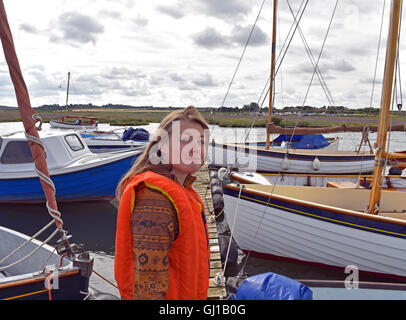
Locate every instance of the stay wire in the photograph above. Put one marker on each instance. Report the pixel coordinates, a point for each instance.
(312, 60)
(314, 71)
(377, 53)
(242, 55)
(279, 61)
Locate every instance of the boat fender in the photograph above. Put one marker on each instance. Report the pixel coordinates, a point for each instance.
(216, 189)
(222, 173)
(285, 163)
(215, 182)
(316, 164)
(272, 286)
(218, 203)
(213, 174)
(223, 228)
(224, 242)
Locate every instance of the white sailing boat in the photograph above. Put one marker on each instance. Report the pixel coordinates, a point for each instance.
(334, 227)
(79, 122)
(267, 158)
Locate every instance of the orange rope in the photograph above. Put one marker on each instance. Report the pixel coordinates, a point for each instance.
(49, 286)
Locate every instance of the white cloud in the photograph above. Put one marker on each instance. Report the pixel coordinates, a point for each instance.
(169, 52)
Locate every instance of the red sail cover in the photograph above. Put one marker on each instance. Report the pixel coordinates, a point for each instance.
(24, 105)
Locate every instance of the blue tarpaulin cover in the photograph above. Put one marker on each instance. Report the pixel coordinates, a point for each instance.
(135, 134)
(272, 286)
(309, 141)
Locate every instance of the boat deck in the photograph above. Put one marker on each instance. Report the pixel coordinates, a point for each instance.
(202, 187)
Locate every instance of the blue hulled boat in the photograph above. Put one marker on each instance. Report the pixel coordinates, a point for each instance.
(78, 174)
(108, 141)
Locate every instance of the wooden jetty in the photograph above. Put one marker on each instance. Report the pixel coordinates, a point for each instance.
(202, 187)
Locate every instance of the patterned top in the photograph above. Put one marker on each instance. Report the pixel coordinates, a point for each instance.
(154, 227)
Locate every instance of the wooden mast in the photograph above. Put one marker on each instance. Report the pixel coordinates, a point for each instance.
(390, 62)
(67, 93)
(272, 77)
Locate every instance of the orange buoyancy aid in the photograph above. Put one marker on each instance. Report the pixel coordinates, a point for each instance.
(189, 256)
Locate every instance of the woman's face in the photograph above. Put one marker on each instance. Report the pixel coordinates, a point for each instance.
(187, 147)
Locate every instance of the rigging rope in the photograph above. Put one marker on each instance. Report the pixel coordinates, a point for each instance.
(243, 52)
(377, 53)
(312, 60)
(279, 60)
(311, 80)
(30, 119)
(219, 279)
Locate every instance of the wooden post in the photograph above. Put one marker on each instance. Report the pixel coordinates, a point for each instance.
(272, 77)
(391, 54)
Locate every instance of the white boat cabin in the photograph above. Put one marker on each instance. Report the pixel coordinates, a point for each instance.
(61, 149)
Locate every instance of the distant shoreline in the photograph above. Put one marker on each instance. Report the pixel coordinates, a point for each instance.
(139, 116)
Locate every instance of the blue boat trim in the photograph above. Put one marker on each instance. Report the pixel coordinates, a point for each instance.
(352, 221)
(94, 183)
(105, 146)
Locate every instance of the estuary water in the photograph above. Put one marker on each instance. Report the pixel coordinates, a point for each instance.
(93, 224)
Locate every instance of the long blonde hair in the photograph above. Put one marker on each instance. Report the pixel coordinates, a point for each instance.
(144, 163)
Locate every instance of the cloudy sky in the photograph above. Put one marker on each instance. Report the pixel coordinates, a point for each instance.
(177, 53)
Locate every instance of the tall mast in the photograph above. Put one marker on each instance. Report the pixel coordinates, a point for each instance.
(67, 93)
(29, 118)
(390, 62)
(272, 76)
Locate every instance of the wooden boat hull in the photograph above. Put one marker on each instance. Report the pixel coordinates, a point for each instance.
(70, 125)
(92, 182)
(34, 289)
(270, 225)
(295, 161)
(27, 280)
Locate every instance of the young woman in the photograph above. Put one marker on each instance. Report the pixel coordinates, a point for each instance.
(162, 245)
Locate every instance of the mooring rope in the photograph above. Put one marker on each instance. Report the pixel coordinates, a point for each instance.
(27, 241)
(219, 278)
(31, 253)
(55, 214)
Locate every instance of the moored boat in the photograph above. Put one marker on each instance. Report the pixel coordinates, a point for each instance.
(107, 141)
(281, 160)
(80, 123)
(334, 227)
(30, 269)
(43, 273)
(77, 173)
(321, 226)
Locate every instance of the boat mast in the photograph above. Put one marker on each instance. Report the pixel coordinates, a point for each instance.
(272, 77)
(390, 62)
(30, 118)
(67, 93)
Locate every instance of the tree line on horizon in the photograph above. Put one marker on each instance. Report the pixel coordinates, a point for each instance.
(252, 107)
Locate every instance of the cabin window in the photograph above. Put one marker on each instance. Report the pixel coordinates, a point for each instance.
(17, 152)
(74, 142)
